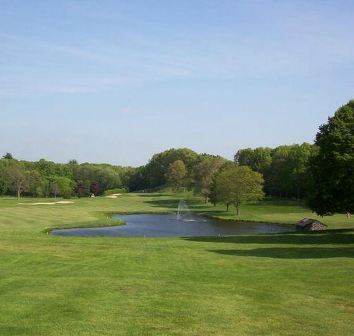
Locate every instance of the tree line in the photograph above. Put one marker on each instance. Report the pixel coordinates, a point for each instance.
(322, 173)
(49, 179)
(284, 170)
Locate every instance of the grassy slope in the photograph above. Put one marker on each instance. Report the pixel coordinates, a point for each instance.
(245, 285)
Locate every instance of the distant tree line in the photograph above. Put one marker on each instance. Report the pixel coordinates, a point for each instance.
(48, 179)
(322, 173)
(284, 168)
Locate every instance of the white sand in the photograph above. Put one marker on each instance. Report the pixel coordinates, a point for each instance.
(39, 203)
(48, 203)
(113, 195)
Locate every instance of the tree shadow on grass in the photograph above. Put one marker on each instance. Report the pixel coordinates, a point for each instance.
(292, 253)
(344, 236)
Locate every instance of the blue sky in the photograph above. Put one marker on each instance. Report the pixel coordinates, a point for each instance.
(117, 81)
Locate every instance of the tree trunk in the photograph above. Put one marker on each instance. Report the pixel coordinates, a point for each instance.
(18, 192)
(238, 210)
(227, 206)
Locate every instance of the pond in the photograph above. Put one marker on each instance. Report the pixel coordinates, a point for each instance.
(167, 225)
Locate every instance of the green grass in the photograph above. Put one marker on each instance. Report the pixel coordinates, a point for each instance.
(285, 212)
(286, 284)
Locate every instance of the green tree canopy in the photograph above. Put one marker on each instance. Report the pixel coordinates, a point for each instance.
(8, 156)
(63, 186)
(235, 185)
(332, 168)
(204, 172)
(176, 174)
(156, 169)
(17, 177)
(259, 159)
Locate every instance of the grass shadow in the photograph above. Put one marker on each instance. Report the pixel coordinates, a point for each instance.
(292, 253)
(344, 236)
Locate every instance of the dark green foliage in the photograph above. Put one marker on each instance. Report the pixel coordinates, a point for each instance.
(155, 173)
(45, 178)
(259, 159)
(95, 188)
(158, 166)
(204, 173)
(138, 179)
(284, 168)
(8, 156)
(287, 176)
(176, 174)
(332, 168)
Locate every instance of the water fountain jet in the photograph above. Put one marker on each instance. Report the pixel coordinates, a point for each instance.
(183, 211)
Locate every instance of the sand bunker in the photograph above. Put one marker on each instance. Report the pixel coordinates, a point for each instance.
(48, 203)
(113, 196)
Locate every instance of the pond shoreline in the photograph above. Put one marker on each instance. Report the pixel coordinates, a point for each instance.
(95, 224)
(142, 224)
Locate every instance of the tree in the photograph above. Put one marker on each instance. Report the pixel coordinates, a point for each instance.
(18, 178)
(64, 185)
(204, 173)
(299, 156)
(8, 156)
(94, 188)
(284, 168)
(4, 180)
(54, 187)
(259, 159)
(157, 168)
(38, 185)
(176, 174)
(236, 185)
(83, 188)
(332, 168)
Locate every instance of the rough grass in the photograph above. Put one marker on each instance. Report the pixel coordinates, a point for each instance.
(285, 284)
